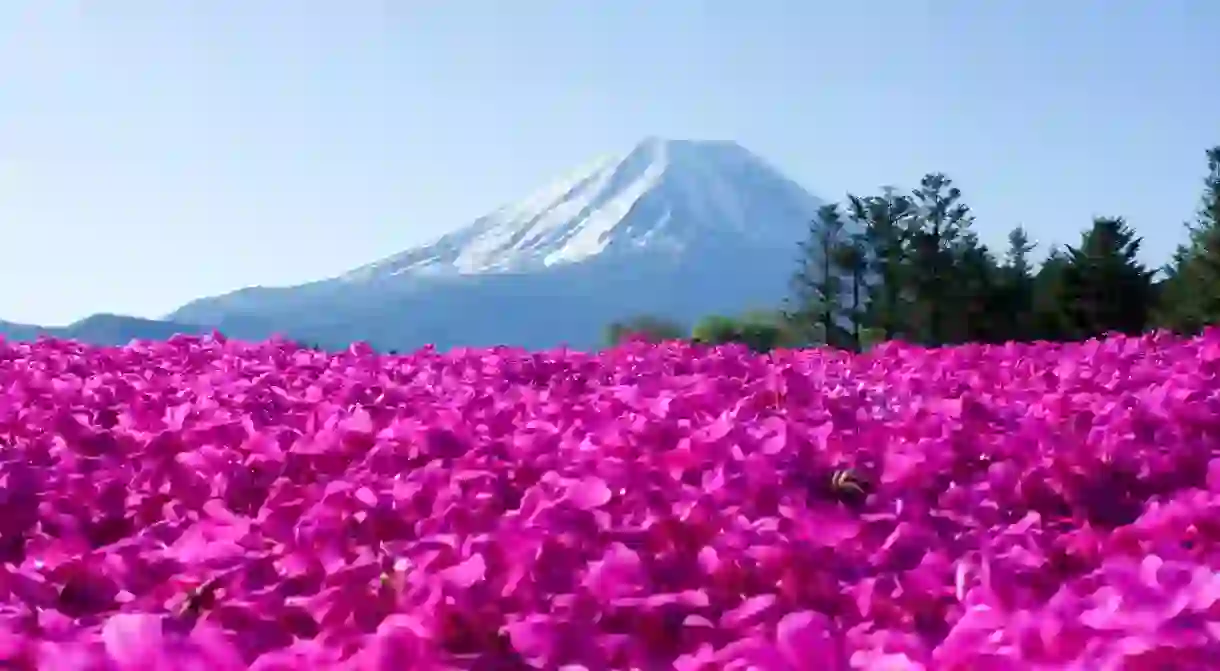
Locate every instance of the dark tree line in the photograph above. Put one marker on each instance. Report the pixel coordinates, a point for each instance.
(1189, 298)
(908, 266)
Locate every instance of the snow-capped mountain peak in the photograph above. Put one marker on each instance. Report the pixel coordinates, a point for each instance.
(678, 229)
(660, 197)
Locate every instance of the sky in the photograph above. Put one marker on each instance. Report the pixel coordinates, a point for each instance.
(153, 153)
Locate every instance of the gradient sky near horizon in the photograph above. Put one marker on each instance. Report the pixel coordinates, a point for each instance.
(152, 153)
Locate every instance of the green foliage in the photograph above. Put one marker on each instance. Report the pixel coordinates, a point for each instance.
(1103, 287)
(1046, 313)
(760, 336)
(1017, 256)
(650, 328)
(870, 338)
(1190, 295)
(1013, 293)
(908, 266)
(885, 237)
(940, 249)
(759, 332)
(972, 294)
(817, 287)
(716, 330)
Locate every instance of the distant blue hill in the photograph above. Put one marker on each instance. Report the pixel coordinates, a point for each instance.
(104, 329)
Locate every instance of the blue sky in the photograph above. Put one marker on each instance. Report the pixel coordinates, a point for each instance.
(151, 153)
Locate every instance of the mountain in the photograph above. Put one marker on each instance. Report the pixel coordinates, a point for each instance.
(675, 228)
(661, 199)
(104, 329)
(15, 331)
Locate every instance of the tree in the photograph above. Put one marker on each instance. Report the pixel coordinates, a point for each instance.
(1190, 296)
(773, 324)
(1104, 286)
(1015, 288)
(760, 332)
(650, 328)
(816, 285)
(1047, 320)
(974, 291)
(941, 218)
(760, 335)
(851, 258)
(716, 330)
(1016, 258)
(882, 222)
(1178, 307)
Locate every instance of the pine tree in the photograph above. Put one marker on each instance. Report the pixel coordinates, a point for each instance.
(941, 219)
(817, 287)
(1047, 318)
(975, 291)
(882, 222)
(1016, 259)
(1178, 306)
(851, 259)
(1190, 297)
(1015, 288)
(1105, 288)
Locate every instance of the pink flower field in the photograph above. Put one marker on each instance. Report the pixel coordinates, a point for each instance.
(204, 504)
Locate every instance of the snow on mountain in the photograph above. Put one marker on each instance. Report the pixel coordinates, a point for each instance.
(676, 228)
(661, 196)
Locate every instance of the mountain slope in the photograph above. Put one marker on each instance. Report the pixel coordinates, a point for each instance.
(674, 228)
(662, 197)
(104, 329)
(670, 227)
(15, 331)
